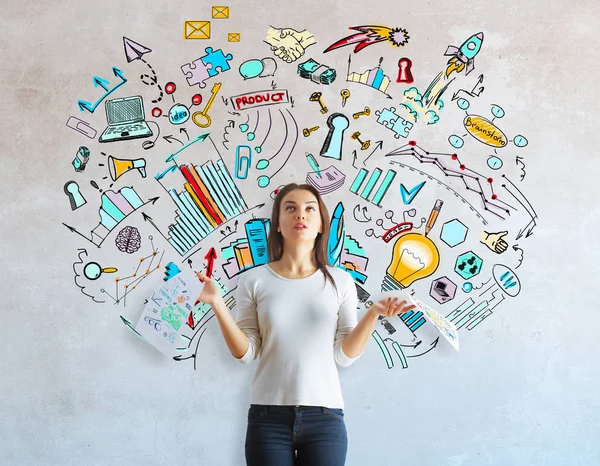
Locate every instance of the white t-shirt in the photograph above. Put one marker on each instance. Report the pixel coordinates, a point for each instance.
(297, 328)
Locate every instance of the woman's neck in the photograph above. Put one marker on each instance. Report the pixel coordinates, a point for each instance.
(296, 264)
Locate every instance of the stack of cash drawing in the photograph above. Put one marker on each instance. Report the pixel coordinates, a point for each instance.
(316, 72)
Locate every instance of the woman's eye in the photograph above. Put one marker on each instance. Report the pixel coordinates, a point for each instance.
(292, 207)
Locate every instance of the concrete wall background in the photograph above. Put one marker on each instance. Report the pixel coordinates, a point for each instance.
(78, 387)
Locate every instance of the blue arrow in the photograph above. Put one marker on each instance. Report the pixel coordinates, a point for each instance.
(98, 81)
(83, 105)
(162, 175)
(118, 73)
(201, 137)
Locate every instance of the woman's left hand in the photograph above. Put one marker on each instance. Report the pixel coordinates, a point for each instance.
(388, 307)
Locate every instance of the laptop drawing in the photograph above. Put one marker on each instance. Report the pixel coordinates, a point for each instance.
(125, 118)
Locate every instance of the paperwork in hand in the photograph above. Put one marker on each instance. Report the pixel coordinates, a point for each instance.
(168, 309)
(444, 326)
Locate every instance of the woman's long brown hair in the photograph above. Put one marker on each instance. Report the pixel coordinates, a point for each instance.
(275, 238)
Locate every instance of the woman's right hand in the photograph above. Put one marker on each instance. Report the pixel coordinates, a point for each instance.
(210, 293)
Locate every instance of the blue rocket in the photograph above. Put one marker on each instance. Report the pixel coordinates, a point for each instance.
(464, 55)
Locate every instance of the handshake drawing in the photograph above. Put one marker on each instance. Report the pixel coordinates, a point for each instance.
(288, 44)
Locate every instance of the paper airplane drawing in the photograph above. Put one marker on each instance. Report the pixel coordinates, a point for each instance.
(133, 50)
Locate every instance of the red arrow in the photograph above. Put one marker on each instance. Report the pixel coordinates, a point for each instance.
(211, 255)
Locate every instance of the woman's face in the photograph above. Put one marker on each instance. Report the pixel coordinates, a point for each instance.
(299, 207)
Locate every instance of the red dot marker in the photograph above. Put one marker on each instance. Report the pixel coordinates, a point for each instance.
(490, 180)
(454, 156)
(462, 167)
(412, 143)
(197, 99)
(156, 112)
(170, 88)
(494, 196)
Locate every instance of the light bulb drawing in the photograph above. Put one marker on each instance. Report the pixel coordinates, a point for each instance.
(414, 257)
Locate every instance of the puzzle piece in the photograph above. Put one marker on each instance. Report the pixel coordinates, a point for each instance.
(196, 72)
(217, 60)
(401, 128)
(388, 118)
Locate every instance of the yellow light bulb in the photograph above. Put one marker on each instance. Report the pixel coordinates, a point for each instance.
(414, 256)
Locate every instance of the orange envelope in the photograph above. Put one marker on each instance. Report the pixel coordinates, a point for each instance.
(220, 12)
(196, 30)
(233, 37)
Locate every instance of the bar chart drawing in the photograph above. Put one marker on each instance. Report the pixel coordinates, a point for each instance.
(370, 185)
(413, 320)
(114, 208)
(374, 77)
(250, 251)
(208, 199)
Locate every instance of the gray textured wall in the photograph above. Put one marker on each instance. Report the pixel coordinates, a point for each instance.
(77, 387)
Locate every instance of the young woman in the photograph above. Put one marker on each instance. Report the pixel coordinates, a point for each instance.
(299, 314)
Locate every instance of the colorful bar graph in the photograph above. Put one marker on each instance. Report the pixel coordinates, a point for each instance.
(236, 195)
(360, 177)
(185, 216)
(209, 198)
(371, 183)
(383, 188)
(207, 193)
(214, 186)
(207, 216)
(192, 181)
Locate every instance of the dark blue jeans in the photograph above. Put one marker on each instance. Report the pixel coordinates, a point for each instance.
(276, 432)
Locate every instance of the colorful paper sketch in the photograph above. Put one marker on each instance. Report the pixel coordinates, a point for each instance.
(444, 326)
(167, 311)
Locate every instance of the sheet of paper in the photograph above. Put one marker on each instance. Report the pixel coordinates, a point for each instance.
(443, 325)
(165, 315)
(330, 180)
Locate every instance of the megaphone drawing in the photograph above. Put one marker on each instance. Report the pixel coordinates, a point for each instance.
(117, 167)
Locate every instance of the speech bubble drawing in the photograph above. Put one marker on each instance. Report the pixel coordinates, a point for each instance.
(269, 67)
(261, 68)
(251, 69)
